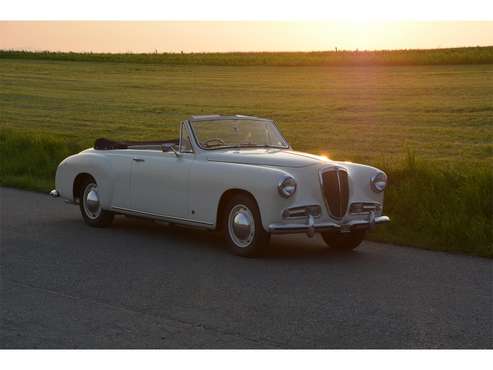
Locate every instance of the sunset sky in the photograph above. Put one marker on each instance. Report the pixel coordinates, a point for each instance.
(203, 36)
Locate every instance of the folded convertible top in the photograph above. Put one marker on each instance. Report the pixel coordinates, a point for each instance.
(106, 144)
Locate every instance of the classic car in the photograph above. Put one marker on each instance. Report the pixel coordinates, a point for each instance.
(236, 174)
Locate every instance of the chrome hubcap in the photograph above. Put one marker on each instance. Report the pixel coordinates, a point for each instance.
(241, 225)
(90, 198)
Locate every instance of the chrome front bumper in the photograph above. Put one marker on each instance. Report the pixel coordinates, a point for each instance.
(310, 227)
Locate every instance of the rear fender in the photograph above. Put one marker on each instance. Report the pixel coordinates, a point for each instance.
(94, 164)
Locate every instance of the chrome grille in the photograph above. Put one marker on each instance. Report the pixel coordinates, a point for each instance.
(335, 188)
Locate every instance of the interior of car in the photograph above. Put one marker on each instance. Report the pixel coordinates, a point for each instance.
(161, 145)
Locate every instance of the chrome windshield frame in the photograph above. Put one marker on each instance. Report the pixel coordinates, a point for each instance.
(237, 117)
(185, 127)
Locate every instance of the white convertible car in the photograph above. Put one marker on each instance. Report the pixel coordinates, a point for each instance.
(231, 173)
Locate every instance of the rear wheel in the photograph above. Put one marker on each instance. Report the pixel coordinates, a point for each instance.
(244, 231)
(90, 205)
(344, 241)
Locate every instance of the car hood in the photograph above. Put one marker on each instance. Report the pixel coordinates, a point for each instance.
(265, 157)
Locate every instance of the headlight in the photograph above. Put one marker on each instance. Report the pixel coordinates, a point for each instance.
(378, 182)
(286, 186)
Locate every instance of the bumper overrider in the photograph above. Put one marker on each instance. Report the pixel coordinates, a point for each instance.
(310, 227)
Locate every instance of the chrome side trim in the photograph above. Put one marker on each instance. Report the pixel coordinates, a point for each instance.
(172, 219)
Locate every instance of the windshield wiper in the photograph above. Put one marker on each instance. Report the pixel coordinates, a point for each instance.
(243, 145)
(247, 145)
(215, 147)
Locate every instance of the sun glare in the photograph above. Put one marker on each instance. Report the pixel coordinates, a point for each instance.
(145, 37)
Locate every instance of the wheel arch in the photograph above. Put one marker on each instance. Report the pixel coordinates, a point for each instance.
(223, 202)
(79, 182)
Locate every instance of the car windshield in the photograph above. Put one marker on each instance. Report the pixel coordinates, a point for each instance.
(237, 133)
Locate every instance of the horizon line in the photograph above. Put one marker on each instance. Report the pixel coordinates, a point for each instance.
(335, 50)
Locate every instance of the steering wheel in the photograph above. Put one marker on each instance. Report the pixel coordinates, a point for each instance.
(214, 139)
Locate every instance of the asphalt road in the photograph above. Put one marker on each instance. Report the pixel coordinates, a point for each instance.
(144, 285)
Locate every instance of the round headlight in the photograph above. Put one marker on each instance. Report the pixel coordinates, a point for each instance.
(379, 182)
(286, 186)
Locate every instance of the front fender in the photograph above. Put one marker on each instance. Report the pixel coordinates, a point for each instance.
(210, 180)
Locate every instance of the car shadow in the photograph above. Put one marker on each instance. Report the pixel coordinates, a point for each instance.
(280, 248)
(301, 247)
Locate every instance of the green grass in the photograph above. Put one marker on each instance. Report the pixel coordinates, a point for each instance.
(29, 161)
(429, 127)
(440, 207)
(469, 55)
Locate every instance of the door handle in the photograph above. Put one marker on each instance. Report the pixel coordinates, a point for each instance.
(138, 159)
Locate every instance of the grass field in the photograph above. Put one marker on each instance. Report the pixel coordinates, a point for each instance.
(469, 55)
(429, 127)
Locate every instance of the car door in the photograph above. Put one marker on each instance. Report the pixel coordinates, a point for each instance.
(160, 182)
(121, 165)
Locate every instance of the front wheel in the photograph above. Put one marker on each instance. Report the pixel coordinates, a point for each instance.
(90, 205)
(244, 231)
(344, 241)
